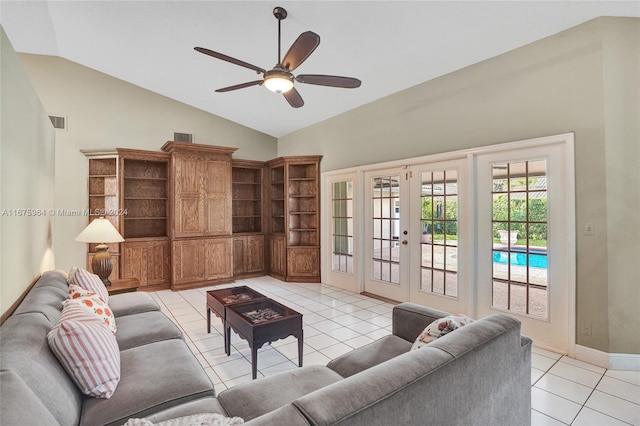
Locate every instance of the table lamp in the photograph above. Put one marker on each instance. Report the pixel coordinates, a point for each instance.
(101, 231)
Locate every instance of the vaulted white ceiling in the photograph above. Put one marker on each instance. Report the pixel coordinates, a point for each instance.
(389, 45)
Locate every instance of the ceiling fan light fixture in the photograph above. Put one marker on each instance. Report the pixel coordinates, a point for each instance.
(278, 81)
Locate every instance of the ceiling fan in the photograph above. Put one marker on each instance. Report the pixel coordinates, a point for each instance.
(280, 79)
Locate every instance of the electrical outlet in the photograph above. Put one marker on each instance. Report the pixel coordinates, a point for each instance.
(586, 328)
(588, 229)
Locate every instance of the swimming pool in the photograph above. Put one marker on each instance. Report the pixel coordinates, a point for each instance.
(518, 257)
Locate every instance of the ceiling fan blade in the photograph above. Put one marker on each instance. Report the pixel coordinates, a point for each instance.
(300, 50)
(229, 59)
(240, 86)
(293, 97)
(329, 80)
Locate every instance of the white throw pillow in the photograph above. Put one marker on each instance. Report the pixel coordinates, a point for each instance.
(205, 419)
(439, 328)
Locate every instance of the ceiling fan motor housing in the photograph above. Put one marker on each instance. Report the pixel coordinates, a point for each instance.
(278, 80)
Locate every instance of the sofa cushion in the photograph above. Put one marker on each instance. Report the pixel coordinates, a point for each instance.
(144, 328)
(86, 279)
(253, 399)
(409, 319)
(46, 300)
(24, 351)
(287, 415)
(87, 349)
(202, 405)
(19, 405)
(154, 377)
(439, 328)
(369, 355)
(391, 393)
(132, 303)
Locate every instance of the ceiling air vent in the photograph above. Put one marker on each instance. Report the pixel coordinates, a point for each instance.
(58, 121)
(183, 137)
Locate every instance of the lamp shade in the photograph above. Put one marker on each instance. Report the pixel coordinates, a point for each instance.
(99, 231)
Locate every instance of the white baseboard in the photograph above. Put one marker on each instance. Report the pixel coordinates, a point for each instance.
(630, 362)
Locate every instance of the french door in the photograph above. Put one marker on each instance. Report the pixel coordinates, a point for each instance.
(525, 239)
(386, 233)
(412, 233)
(485, 231)
(440, 213)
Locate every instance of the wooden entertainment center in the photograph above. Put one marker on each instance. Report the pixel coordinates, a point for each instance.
(192, 215)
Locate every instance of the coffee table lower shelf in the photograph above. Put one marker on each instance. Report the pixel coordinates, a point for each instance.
(283, 322)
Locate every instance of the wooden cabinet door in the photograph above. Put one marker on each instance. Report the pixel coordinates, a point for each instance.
(148, 261)
(133, 261)
(254, 253)
(158, 258)
(239, 245)
(217, 195)
(187, 261)
(188, 201)
(278, 255)
(303, 262)
(218, 258)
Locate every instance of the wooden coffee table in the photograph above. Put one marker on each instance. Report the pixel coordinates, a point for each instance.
(219, 300)
(264, 321)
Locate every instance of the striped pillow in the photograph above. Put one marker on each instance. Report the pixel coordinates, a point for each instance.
(88, 281)
(87, 350)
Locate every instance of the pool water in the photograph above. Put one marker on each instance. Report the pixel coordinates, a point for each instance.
(520, 258)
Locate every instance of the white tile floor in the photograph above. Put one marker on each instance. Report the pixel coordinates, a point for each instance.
(564, 391)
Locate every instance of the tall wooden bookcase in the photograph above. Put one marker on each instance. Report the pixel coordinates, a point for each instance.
(144, 189)
(131, 188)
(200, 224)
(104, 196)
(294, 218)
(247, 178)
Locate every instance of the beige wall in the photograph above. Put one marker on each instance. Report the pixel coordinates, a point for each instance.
(621, 71)
(584, 80)
(27, 143)
(105, 112)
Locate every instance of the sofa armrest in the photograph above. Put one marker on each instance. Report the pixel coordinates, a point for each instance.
(409, 319)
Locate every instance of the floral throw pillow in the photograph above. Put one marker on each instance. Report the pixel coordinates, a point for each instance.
(93, 305)
(439, 328)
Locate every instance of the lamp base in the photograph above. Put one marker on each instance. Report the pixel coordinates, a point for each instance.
(102, 264)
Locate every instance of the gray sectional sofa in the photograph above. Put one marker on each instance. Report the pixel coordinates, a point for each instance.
(476, 375)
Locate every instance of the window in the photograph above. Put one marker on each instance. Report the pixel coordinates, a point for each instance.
(519, 219)
(385, 262)
(439, 223)
(342, 232)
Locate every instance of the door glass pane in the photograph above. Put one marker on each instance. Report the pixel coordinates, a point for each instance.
(519, 222)
(385, 226)
(439, 240)
(342, 233)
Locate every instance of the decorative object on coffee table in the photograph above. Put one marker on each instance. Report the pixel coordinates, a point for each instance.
(264, 321)
(219, 300)
(101, 231)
